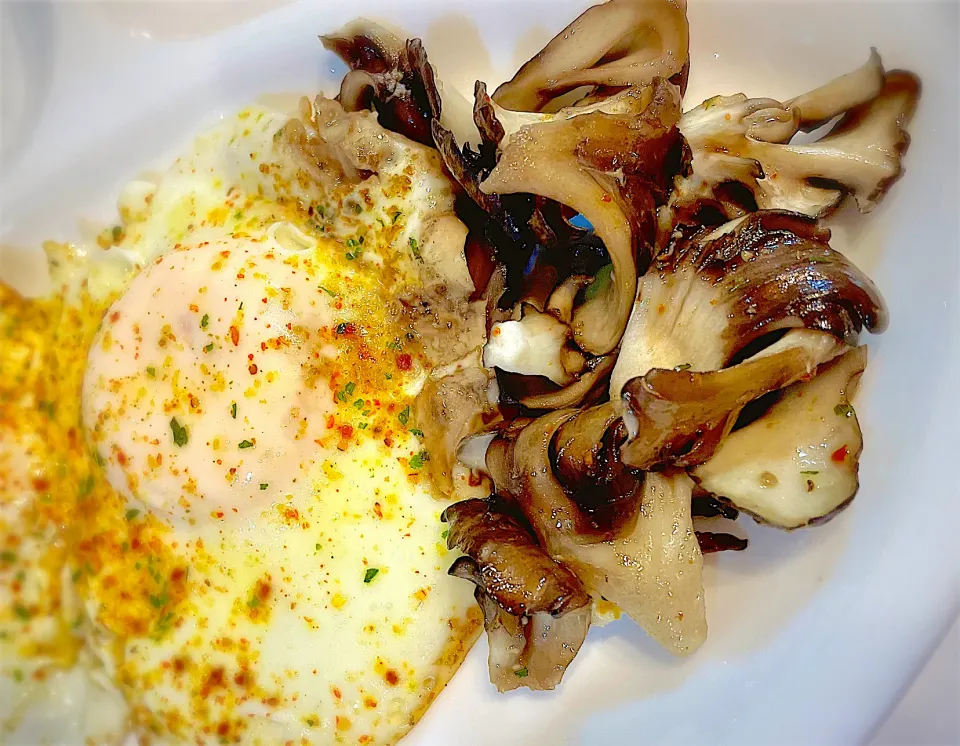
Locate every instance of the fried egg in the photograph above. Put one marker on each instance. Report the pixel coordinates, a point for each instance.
(242, 528)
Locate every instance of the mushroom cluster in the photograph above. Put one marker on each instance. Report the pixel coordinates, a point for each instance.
(669, 335)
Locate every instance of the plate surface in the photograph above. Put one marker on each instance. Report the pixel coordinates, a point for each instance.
(813, 634)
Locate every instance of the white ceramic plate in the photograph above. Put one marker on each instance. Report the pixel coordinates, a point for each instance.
(813, 634)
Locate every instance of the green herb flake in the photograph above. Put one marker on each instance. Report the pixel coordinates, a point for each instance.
(820, 260)
(86, 486)
(117, 232)
(843, 410)
(601, 281)
(810, 472)
(245, 444)
(388, 376)
(233, 410)
(415, 249)
(254, 602)
(418, 461)
(358, 404)
(158, 602)
(205, 321)
(208, 348)
(8, 557)
(363, 425)
(521, 673)
(132, 513)
(22, 612)
(151, 371)
(417, 431)
(445, 534)
(395, 345)
(350, 388)
(263, 486)
(356, 248)
(238, 214)
(685, 366)
(180, 434)
(396, 217)
(316, 547)
(18, 675)
(328, 291)
(370, 574)
(404, 416)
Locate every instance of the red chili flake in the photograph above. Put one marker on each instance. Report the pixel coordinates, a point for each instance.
(330, 422)
(347, 327)
(346, 431)
(388, 441)
(253, 369)
(840, 455)
(114, 317)
(404, 361)
(121, 458)
(235, 336)
(392, 678)
(476, 479)
(378, 510)
(178, 575)
(606, 198)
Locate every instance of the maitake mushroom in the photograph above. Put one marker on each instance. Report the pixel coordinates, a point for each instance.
(536, 611)
(622, 43)
(668, 333)
(742, 141)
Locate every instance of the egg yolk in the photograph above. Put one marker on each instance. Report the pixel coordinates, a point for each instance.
(226, 370)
